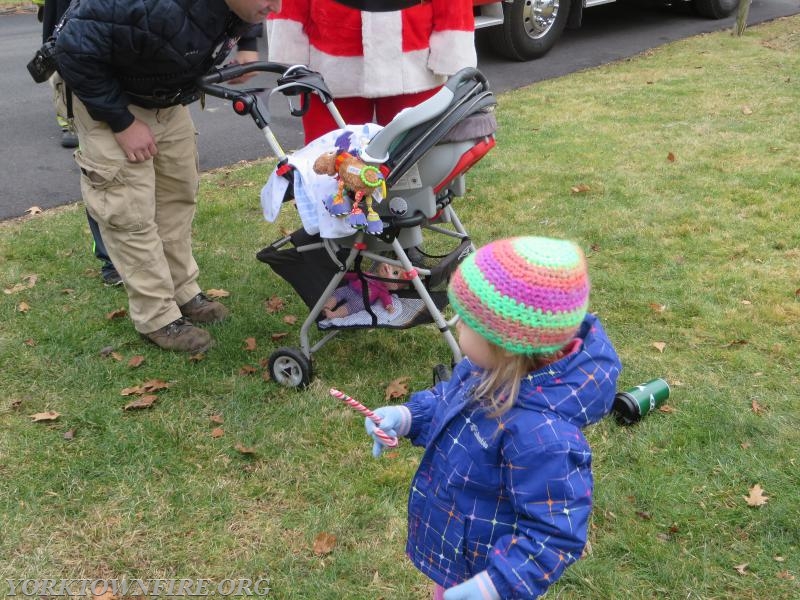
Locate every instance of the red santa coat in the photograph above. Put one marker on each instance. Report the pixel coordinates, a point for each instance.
(375, 55)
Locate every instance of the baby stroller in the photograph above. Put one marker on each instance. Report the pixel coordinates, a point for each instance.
(394, 275)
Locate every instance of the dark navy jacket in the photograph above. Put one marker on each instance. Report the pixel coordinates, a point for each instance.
(509, 494)
(112, 53)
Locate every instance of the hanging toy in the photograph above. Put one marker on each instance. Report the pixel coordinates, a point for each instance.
(364, 182)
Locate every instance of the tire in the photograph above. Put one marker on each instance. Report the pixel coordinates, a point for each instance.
(715, 9)
(290, 368)
(523, 36)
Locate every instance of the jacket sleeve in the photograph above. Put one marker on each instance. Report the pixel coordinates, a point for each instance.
(84, 47)
(550, 488)
(452, 43)
(287, 35)
(422, 406)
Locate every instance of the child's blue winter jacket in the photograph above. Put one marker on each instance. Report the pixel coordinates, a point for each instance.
(509, 494)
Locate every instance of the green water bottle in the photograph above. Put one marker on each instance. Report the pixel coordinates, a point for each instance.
(632, 404)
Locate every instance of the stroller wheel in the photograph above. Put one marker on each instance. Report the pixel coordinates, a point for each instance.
(290, 367)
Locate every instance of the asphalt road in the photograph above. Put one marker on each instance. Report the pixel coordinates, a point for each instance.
(36, 171)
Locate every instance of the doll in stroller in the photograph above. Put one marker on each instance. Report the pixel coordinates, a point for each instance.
(414, 239)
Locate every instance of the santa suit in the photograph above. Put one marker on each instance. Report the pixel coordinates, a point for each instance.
(375, 61)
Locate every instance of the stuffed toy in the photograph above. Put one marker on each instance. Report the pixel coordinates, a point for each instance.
(349, 299)
(356, 179)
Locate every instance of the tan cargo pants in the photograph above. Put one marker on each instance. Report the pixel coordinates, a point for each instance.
(145, 210)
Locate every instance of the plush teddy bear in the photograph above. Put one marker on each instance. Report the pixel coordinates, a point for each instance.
(363, 181)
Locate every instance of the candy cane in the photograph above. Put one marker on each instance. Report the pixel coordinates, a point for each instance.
(355, 405)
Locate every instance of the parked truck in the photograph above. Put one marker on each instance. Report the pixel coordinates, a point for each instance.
(527, 29)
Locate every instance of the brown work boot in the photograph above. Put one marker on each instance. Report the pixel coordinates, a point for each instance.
(181, 336)
(202, 310)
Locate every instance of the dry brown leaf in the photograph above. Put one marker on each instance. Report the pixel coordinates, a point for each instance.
(117, 356)
(644, 515)
(217, 419)
(778, 558)
(659, 346)
(67, 291)
(735, 343)
(197, 357)
(397, 388)
(30, 342)
(666, 408)
(217, 293)
(746, 110)
(16, 403)
(130, 391)
(142, 402)
(756, 496)
(324, 543)
(746, 302)
(745, 445)
(784, 575)
(757, 408)
(136, 361)
(69, 435)
(250, 344)
(247, 370)
(106, 351)
(154, 385)
(290, 319)
(278, 336)
(34, 210)
(50, 415)
(741, 569)
(266, 376)
(30, 281)
(242, 449)
(274, 304)
(23, 307)
(671, 157)
(101, 592)
(117, 314)
(217, 432)
(580, 188)
(657, 308)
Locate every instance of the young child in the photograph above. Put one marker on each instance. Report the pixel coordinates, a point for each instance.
(500, 503)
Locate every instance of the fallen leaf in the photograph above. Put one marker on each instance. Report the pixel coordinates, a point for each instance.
(69, 435)
(746, 110)
(50, 415)
(135, 361)
(250, 344)
(23, 307)
(278, 336)
(290, 319)
(130, 391)
(778, 558)
(274, 304)
(15, 404)
(34, 210)
(243, 449)
(30, 342)
(745, 445)
(666, 408)
(645, 516)
(106, 351)
(757, 408)
(756, 496)
(116, 356)
(217, 432)
(671, 157)
(659, 346)
(746, 302)
(117, 314)
(155, 385)
(580, 188)
(741, 568)
(197, 357)
(324, 543)
(30, 281)
(142, 402)
(266, 376)
(67, 291)
(247, 370)
(657, 308)
(217, 419)
(735, 343)
(397, 388)
(101, 592)
(217, 293)
(785, 575)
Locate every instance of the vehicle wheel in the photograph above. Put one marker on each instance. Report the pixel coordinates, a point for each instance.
(715, 9)
(290, 367)
(530, 28)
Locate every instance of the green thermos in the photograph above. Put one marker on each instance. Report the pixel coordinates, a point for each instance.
(632, 404)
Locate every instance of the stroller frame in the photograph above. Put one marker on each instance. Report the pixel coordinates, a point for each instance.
(432, 145)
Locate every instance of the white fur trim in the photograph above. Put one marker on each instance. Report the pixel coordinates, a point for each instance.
(287, 42)
(452, 51)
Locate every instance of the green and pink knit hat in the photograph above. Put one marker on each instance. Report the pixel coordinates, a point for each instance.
(528, 295)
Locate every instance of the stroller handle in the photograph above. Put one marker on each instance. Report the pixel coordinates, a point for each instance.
(226, 73)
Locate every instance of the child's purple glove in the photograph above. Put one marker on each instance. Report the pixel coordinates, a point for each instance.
(479, 587)
(395, 422)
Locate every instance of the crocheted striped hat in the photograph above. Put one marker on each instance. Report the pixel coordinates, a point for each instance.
(525, 294)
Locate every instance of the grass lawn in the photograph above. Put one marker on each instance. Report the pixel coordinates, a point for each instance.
(677, 171)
